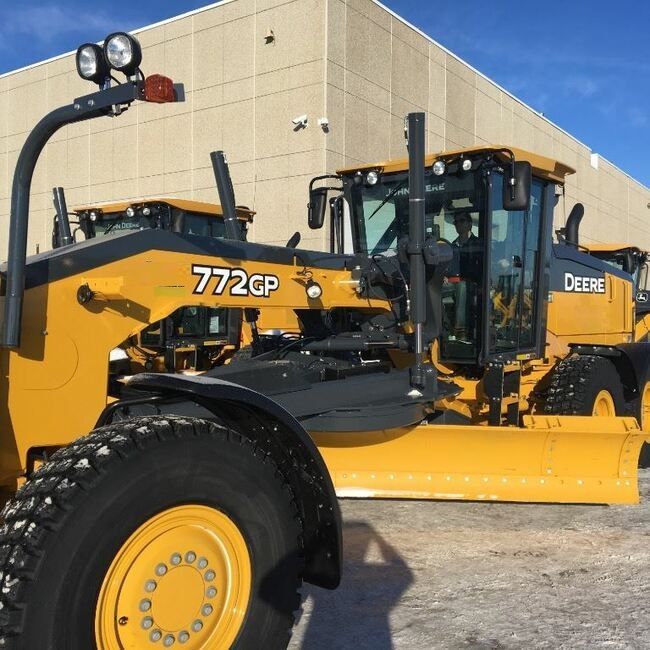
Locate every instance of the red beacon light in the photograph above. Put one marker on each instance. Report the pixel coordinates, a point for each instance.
(159, 89)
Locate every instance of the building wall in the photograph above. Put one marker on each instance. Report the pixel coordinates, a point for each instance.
(351, 61)
(379, 68)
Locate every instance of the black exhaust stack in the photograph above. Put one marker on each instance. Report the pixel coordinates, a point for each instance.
(62, 219)
(416, 242)
(233, 230)
(226, 194)
(573, 225)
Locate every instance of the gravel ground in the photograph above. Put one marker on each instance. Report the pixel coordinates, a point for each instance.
(485, 576)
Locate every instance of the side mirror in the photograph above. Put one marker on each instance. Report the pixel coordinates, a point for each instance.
(316, 207)
(517, 181)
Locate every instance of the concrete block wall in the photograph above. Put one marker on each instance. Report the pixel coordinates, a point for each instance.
(241, 94)
(352, 61)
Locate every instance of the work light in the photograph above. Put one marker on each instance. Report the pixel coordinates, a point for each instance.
(91, 64)
(123, 52)
(313, 289)
(372, 178)
(439, 167)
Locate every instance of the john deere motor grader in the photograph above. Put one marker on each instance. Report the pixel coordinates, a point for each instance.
(191, 339)
(176, 528)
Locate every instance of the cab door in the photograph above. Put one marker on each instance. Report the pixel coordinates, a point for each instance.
(513, 272)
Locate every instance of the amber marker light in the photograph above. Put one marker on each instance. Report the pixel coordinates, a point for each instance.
(159, 89)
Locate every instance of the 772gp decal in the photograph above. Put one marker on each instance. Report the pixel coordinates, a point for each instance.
(235, 280)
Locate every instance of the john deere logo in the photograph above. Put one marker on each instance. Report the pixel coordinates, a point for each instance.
(583, 284)
(642, 296)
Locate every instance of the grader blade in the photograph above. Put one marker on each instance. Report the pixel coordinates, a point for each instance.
(552, 459)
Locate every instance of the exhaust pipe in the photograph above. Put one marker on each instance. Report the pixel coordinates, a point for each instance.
(226, 194)
(573, 225)
(233, 231)
(63, 221)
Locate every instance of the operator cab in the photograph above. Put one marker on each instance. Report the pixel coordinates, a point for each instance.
(493, 290)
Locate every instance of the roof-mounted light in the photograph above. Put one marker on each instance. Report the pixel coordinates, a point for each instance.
(439, 167)
(91, 64)
(123, 52)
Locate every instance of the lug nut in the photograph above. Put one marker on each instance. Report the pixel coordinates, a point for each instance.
(176, 559)
(145, 605)
(206, 610)
(150, 585)
(202, 563)
(211, 592)
(161, 569)
(190, 556)
(155, 636)
(169, 641)
(147, 622)
(197, 626)
(183, 637)
(210, 575)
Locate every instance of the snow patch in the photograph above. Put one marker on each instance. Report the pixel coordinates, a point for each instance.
(83, 463)
(9, 583)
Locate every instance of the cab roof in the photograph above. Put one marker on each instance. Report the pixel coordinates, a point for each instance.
(182, 204)
(611, 248)
(543, 167)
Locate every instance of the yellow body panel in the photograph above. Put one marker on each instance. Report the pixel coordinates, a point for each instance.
(598, 318)
(552, 459)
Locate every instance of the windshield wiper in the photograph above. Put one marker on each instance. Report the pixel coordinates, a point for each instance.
(388, 197)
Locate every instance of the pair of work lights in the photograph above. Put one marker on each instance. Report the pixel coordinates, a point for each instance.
(120, 52)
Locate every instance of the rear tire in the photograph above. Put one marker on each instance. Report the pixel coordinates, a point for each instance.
(581, 383)
(67, 526)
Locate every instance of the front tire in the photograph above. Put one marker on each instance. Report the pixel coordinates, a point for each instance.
(171, 530)
(585, 385)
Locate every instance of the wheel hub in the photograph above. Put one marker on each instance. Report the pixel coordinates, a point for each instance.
(604, 405)
(183, 578)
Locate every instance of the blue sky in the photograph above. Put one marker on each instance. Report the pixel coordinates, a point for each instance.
(584, 63)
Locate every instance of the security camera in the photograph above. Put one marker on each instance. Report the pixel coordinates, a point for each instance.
(324, 123)
(300, 121)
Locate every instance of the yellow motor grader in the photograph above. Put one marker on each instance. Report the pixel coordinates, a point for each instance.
(191, 339)
(175, 509)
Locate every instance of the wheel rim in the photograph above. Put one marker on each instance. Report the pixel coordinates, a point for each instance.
(182, 579)
(604, 404)
(645, 408)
